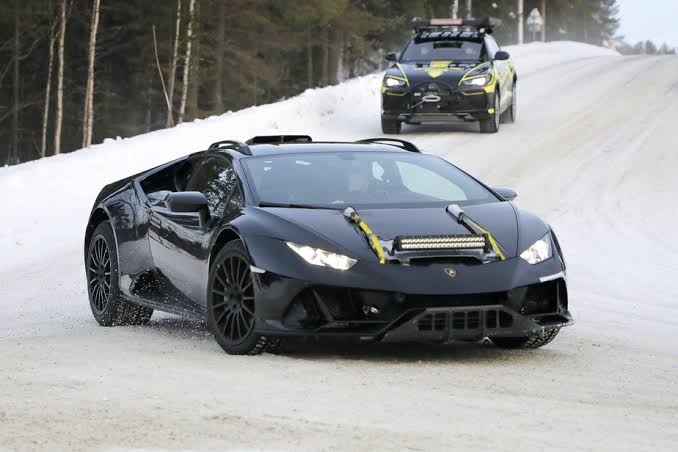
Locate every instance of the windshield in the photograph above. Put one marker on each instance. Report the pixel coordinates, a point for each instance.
(442, 51)
(361, 179)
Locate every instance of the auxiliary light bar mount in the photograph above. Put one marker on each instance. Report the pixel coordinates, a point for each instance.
(482, 25)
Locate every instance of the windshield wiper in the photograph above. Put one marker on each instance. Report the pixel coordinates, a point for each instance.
(293, 206)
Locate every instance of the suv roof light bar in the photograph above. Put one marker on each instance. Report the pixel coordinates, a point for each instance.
(483, 25)
(232, 145)
(279, 139)
(402, 144)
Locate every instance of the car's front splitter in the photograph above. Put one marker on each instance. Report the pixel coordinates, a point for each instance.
(473, 323)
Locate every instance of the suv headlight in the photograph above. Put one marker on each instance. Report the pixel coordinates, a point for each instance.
(322, 258)
(539, 251)
(392, 82)
(477, 81)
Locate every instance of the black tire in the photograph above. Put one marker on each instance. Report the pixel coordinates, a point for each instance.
(536, 341)
(230, 302)
(108, 307)
(510, 115)
(492, 125)
(390, 126)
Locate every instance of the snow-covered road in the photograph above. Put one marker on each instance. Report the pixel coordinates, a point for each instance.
(595, 151)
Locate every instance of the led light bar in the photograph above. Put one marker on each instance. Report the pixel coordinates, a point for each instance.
(441, 242)
(448, 22)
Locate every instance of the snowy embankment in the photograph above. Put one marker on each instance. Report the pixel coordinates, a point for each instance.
(45, 203)
(593, 151)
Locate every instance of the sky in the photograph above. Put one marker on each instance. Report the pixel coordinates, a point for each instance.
(649, 19)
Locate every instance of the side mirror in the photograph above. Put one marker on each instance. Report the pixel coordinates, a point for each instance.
(508, 194)
(391, 56)
(189, 202)
(502, 56)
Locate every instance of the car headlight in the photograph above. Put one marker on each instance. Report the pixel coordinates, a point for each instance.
(322, 258)
(539, 251)
(477, 81)
(391, 82)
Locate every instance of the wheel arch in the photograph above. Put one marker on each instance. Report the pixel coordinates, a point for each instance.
(98, 216)
(224, 237)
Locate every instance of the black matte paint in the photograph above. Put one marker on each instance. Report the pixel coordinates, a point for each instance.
(164, 258)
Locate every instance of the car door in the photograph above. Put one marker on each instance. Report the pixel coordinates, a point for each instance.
(503, 69)
(181, 249)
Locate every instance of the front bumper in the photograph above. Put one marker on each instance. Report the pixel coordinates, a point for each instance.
(299, 308)
(442, 104)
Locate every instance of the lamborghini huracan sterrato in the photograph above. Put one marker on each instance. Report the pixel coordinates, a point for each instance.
(282, 236)
(451, 70)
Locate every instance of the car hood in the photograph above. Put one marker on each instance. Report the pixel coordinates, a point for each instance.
(447, 72)
(331, 230)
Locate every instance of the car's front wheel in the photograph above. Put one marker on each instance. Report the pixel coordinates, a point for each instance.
(231, 302)
(534, 341)
(390, 126)
(108, 308)
(491, 125)
(509, 116)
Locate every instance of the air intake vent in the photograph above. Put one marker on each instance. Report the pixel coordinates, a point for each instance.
(433, 322)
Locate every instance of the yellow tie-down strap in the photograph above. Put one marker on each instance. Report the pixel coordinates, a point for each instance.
(374, 240)
(493, 242)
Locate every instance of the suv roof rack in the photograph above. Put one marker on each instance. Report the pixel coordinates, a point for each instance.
(232, 145)
(402, 144)
(279, 139)
(483, 25)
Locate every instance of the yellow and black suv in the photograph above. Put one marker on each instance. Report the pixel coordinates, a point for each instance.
(450, 70)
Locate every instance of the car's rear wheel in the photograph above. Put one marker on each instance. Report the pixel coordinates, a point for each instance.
(535, 341)
(108, 308)
(390, 126)
(509, 116)
(491, 125)
(231, 302)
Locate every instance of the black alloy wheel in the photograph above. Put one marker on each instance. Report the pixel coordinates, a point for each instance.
(233, 299)
(99, 274)
(101, 268)
(231, 314)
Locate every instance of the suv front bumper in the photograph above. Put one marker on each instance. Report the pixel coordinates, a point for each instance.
(442, 105)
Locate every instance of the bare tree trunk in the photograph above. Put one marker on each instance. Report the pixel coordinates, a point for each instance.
(309, 57)
(221, 44)
(48, 88)
(520, 6)
(149, 104)
(162, 79)
(195, 66)
(17, 89)
(325, 57)
(454, 9)
(88, 116)
(187, 61)
(543, 20)
(469, 8)
(173, 68)
(334, 55)
(60, 81)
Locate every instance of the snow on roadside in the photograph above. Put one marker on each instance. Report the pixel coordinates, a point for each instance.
(45, 203)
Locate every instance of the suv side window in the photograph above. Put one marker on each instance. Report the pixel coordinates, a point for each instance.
(215, 178)
(491, 46)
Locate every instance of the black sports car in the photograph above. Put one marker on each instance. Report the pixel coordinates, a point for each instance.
(283, 236)
(450, 70)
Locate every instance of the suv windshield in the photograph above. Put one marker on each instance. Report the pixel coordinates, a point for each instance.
(361, 179)
(442, 51)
